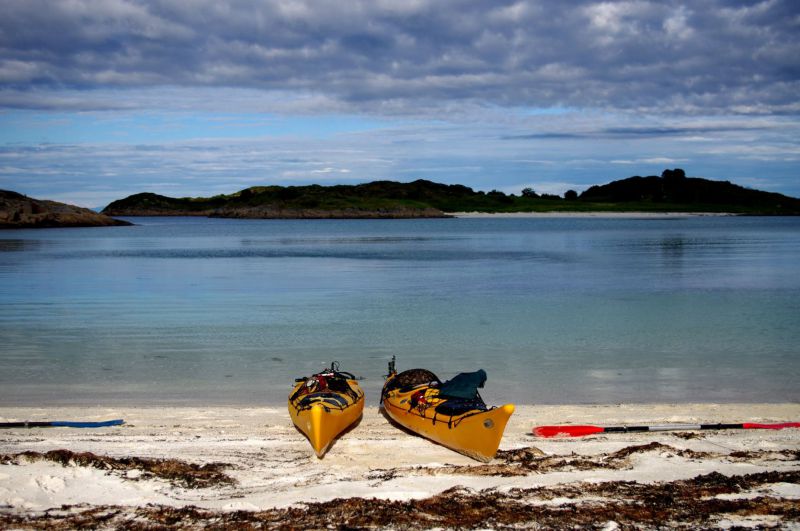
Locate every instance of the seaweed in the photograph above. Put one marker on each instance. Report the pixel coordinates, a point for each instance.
(177, 472)
(683, 504)
(531, 460)
(707, 501)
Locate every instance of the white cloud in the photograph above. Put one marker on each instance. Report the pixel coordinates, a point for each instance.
(676, 24)
(650, 161)
(330, 170)
(484, 94)
(379, 56)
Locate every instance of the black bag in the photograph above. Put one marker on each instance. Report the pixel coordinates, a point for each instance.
(464, 385)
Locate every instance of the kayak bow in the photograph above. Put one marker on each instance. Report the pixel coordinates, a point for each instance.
(324, 405)
(412, 399)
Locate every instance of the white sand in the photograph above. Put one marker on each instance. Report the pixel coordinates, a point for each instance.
(621, 215)
(274, 465)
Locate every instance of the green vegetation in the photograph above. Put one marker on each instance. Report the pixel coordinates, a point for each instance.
(153, 202)
(674, 191)
(671, 192)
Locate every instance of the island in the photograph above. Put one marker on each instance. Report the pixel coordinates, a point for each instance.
(672, 191)
(18, 211)
(379, 199)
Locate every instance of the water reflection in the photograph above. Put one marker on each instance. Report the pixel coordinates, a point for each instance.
(557, 311)
(19, 245)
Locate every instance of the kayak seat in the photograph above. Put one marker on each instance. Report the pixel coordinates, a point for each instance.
(331, 399)
(408, 380)
(340, 385)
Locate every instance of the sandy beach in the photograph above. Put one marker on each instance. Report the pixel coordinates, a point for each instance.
(619, 215)
(249, 467)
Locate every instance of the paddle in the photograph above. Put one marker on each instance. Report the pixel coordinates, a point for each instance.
(580, 431)
(62, 424)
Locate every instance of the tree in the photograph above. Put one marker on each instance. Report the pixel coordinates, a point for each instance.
(528, 192)
(674, 185)
(571, 195)
(499, 197)
(676, 174)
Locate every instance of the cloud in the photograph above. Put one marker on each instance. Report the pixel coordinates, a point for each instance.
(330, 170)
(379, 56)
(663, 161)
(194, 98)
(661, 128)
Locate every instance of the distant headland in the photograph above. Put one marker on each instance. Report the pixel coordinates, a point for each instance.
(21, 212)
(673, 191)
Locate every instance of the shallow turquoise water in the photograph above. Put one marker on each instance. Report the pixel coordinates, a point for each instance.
(564, 310)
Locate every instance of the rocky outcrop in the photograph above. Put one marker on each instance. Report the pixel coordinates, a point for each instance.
(20, 212)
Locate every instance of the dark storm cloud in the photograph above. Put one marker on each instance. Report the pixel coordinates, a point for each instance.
(693, 57)
(639, 132)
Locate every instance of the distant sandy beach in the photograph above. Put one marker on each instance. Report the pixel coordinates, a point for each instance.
(621, 215)
(249, 467)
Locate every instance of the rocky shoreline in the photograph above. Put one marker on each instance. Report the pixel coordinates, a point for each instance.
(18, 211)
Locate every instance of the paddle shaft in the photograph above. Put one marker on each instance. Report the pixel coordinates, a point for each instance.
(579, 431)
(672, 427)
(62, 424)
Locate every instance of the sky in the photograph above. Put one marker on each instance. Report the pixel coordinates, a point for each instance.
(100, 99)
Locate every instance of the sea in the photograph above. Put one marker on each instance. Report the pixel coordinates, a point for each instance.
(557, 310)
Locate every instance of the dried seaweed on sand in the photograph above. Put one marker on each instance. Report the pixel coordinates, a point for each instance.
(173, 470)
(701, 502)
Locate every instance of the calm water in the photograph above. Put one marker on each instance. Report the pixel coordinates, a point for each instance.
(212, 311)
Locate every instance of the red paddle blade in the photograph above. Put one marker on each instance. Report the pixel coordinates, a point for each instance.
(751, 426)
(566, 431)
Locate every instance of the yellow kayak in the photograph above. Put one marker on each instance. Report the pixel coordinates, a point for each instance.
(415, 399)
(325, 405)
